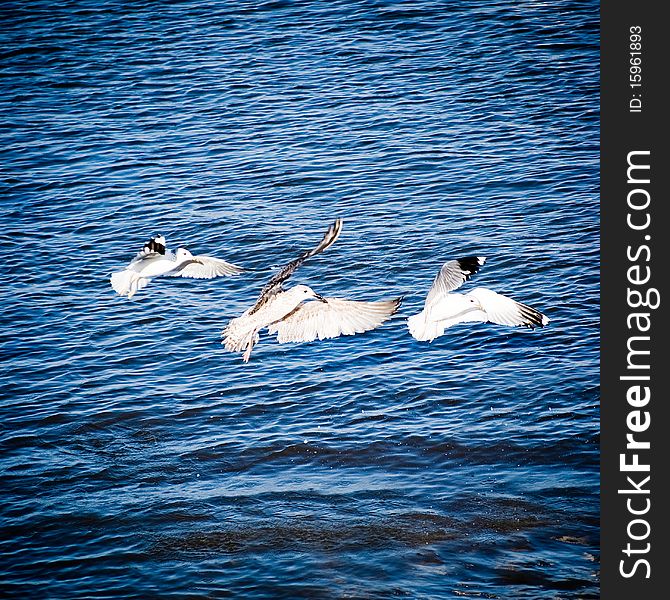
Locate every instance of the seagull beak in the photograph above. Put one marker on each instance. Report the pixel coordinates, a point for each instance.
(321, 298)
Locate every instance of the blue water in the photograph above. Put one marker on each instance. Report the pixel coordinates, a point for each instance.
(139, 459)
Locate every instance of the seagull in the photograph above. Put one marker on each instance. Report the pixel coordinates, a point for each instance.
(286, 312)
(443, 309)
(154, 260)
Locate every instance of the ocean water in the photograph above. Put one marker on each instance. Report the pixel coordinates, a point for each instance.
(139, 459)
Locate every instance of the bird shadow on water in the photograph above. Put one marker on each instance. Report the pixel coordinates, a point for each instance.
(522, 538)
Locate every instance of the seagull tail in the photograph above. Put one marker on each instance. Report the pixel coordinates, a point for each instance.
(236, 337)
(126, 283)
(423, 330)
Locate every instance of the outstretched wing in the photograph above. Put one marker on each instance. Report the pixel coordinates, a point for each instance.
(337, 316)
(153, 248)
(274, 284)
(205, 267)
(155, 245)
(502, 310)
(452, 275)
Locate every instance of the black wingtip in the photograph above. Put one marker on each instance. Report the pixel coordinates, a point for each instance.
(329, 238)
(335, 229)
(534, 318)
(469, 265)
(156, 243)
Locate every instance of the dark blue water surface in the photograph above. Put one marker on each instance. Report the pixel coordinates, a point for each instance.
(139, 459)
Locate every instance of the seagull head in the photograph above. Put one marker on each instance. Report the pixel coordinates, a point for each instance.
(183, 254)
(304, 292)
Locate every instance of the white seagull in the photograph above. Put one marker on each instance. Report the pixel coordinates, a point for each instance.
(154, 260)
(284, 312)
(443, 309)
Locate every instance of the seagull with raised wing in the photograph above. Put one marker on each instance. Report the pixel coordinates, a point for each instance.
(288, 314)
(155, 260)
(443, 308)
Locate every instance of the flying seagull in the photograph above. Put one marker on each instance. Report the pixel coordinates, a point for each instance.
(155, 260)
(286, 313)
(443, 309)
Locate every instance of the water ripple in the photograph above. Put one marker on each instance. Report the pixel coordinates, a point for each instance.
(139, 458)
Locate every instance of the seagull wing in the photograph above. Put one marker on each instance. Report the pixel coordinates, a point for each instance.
(274, 285)
(205, 267)
(154, 248)
(496, 308)
(452, 275)
(337, 316)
